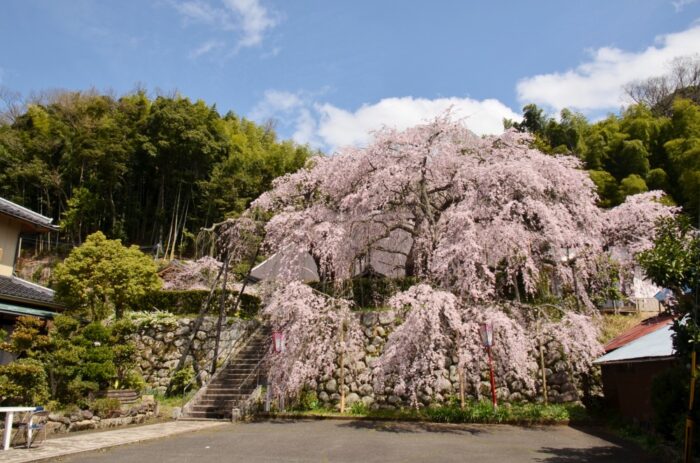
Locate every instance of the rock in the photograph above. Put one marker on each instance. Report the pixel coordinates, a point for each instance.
(323, 396)
(366, 390)
(87, 414)
(368, 401)
(360, 365)
(331, 386)
(393, 399)
(335, 397)
(380, 331)
(444, 385)
(515, 397)
(387, 317)
(53, 427)
(371, 349)
(74, 417)
(370, 361)
(377, 341)
(560, 366)
(82, 425)
(569, 397)
(351, 398)
(56, 417)
(369, 318)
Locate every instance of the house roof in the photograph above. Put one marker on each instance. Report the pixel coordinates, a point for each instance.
(645, 327)
(15, 289)
(270, 268)
(27, 216)
(657, 345)
(13, 309)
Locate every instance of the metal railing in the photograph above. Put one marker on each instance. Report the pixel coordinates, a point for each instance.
(229, 354)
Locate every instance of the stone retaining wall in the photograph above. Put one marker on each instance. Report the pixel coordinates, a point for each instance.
(82, 420)
(376, 326)
(161, 343)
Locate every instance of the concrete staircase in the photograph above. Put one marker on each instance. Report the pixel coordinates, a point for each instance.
(233, 383)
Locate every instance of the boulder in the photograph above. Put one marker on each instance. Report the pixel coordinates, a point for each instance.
(386, 317)
(331, 386)
(351, 398)
(82, 425)
(366, 390)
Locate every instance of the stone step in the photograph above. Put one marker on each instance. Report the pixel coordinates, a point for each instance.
(230, 391)
(201, 416)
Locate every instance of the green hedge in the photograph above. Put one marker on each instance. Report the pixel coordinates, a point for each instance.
(366, 292)
(191, 302)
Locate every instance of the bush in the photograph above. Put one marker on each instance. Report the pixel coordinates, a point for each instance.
(308, 400)
(133, 380)
(105, 407)
(180, 380)
(191, 302)
(23, 382)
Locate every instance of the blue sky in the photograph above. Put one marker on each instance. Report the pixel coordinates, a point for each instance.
(329, 72)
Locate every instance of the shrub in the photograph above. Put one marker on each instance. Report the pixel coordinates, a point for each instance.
(180, 380)
(191, 301)
(359, 408)
(23, 382)
(105, 407)
(133, 380)
(308, 400)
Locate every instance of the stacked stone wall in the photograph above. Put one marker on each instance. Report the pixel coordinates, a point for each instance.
(562, 385)
(161, 343)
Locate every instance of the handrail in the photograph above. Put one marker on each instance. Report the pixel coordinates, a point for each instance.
(254, 370)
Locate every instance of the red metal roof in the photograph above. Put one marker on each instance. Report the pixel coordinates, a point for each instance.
(645, 327)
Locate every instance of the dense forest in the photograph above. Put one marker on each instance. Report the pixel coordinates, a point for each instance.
(653, 144)
(148, 170)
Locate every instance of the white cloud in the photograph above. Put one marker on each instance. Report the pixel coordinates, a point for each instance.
(324, 125)
(255, 20)
(598, 84)
(206, 47)
(249, 19)
(678, 5)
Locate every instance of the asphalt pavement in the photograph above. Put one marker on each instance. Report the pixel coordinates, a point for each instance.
(367, 442)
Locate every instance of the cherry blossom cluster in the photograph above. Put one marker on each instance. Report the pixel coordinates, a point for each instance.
(191, 275)
(318, 331)
(439, 330)
(481, 216)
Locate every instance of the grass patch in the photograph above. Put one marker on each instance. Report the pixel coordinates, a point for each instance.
(475, 412)
(613, 325)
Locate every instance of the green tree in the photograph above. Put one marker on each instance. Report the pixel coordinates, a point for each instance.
(674, 263)
(633, 184)
(606, 186)
(102, 277)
